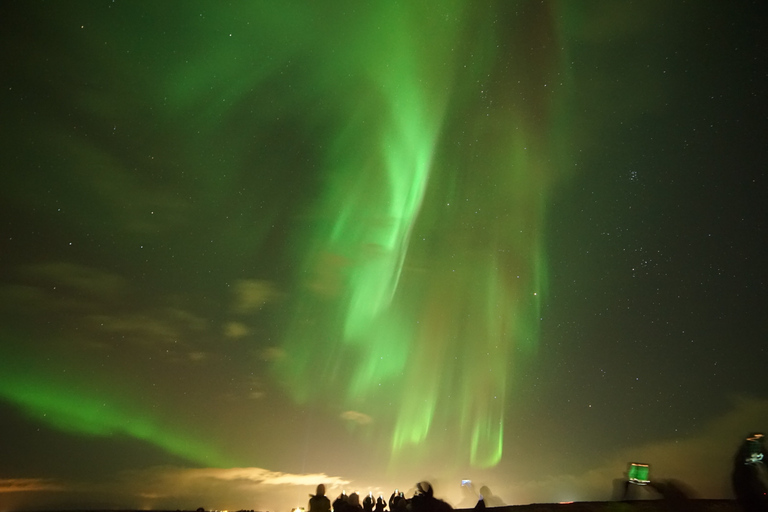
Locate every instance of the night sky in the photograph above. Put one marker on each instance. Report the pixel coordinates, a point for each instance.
(250, 247)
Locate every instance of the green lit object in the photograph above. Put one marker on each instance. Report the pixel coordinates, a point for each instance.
(638, 473)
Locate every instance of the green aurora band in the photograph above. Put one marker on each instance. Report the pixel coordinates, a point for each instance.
(428, 269)
(437, 138)
(68, 401)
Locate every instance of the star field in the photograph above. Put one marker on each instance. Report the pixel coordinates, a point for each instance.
(249, 248)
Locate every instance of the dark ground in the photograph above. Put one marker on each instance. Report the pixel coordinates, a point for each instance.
(626, 506)
(598, 506)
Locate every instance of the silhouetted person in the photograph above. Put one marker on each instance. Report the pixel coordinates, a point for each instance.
(340, 503)
(490, 499)
(381, 505)
(353, 503)
(425, 501)
(368, 503)
(319, 502)
(399, 504)
(393, 498)
(750, 475)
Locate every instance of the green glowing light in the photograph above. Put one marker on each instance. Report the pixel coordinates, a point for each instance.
(434, 242)
(424, 141)
(68, 401)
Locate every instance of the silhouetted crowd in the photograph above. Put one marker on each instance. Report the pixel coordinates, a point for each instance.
(749, 479)
(423, 500)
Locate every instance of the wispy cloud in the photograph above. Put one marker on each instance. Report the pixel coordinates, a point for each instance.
(163, 487)
(106, 310)
(29, 485)
(357, 417)
(235, 330)
(170, 488)
(81, 279)
(252, 294)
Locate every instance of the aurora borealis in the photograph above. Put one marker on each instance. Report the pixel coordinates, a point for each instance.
(249, 247)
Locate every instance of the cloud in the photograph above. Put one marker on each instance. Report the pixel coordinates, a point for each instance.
(328, 277)
(61, 287)
(136, 326)
(163, 488)
(252, 294)
(97, 302)
(172, 488)
(24, 493)
(235, 330)
(29, 485)
(78, 278)
(191, 478)
(197, 356)
(273, 354)
(357, 417)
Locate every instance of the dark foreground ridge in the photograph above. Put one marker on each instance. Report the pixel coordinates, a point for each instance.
(692, 505)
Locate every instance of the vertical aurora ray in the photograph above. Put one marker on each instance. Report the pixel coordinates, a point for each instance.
(427, 269)
(378, 168)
